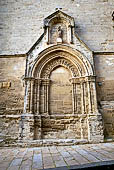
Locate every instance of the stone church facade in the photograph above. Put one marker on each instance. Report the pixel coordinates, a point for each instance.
(57, 90)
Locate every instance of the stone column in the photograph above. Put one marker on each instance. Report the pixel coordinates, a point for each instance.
(27, 96)
(95, 125)
(70, 38)
(89, 97)
(38, 96)
(37, 116)
(47, 36)
(82, 97)
(32, 96)
(47, 89)
(74, 81)
(35, 89)
(95, 108)
(73, 96)
(28, 101)
(81, 128)
(92, 95)
(45, 83)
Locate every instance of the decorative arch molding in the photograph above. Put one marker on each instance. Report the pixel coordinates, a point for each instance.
(74, 55)
(53, 52)
(38, 82)
(58, 61)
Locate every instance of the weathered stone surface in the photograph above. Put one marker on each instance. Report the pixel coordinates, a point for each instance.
(21, 23)
(60, 95)
(38, 158)
(60, 83)
(104, 67)
(11, 97)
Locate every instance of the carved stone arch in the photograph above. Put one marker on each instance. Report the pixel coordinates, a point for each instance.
(54, 59)
(58, 18)
(59, 61)
(77, 58)
(81, 90)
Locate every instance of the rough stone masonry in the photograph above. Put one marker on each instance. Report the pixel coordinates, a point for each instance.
(48, 87)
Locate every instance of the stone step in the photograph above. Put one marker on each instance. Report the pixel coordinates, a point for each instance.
(47, 142)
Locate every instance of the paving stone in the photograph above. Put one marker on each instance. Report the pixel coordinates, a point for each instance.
(31, 158)
(25, 167)
(46, 155)
(60, 163)
(103, 152)
(4, 165)
(57, 157)
(65, 154)
(71, 162)
(16, 162)
(87, 155)
(26, 162)
(37, 161)
(98, 155)
(13, 167)
(45, 150)
(79, 158)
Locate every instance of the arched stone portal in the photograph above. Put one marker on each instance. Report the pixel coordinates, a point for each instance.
(60, 93)
(61, 96)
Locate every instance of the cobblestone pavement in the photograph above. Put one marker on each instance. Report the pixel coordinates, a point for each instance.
(54, 156)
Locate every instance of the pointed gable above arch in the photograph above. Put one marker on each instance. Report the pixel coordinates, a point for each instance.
(59, 29)
(58, 15)
(50, 92)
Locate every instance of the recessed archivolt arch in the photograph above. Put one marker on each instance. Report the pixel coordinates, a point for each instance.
(59, 61)
(74, 56)
(56, 60)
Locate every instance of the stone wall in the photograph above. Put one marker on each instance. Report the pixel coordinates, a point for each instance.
(64, 127)
(12, 94)
(104, 66)
(60, 92)
(12, 70)
(21, 22)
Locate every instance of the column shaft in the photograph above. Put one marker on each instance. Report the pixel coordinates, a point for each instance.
(45, 84)
(82, 98)
(47, 98)
(89, 97)
(38, 97)
(31, 98)
(73, 101)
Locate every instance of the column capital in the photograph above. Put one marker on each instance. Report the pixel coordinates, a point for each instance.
(78, 80)
(38, 81)
(45, 81)
(29, 78)
(91, 78)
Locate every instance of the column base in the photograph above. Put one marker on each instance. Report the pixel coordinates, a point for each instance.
(30, 127)
(95, 128)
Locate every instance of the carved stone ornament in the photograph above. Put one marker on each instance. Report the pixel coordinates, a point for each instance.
(60, 93)
(59, 35)
(57, 28)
